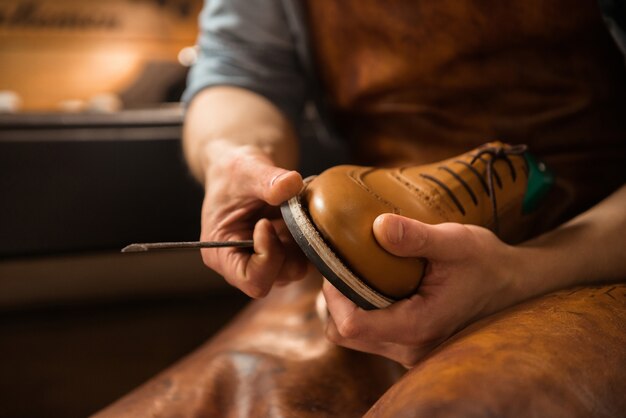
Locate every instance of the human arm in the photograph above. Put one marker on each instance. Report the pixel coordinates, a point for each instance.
(472, 274)
(244, 95)
(243, 149)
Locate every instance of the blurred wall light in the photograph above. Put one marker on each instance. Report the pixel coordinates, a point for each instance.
(188, 56)
(10, 101)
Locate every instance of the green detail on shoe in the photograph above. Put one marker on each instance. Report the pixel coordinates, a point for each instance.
(540, 180)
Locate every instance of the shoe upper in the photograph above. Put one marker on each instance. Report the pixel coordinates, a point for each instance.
(344, 201)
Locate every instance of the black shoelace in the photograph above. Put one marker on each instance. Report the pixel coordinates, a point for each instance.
(496, 153)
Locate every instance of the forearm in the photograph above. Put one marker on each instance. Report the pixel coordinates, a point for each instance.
(221, 117)
(590, 248)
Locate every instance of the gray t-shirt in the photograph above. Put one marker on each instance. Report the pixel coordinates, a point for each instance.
(262, 45)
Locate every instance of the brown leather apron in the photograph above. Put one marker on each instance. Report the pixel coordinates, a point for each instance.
(410, 81)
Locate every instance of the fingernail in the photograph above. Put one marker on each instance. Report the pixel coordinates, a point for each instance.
(278, 177)
(395, 233)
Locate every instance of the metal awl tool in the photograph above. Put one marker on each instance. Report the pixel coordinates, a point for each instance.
(143, 247)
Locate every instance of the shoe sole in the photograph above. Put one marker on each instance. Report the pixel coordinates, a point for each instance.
(324, 258)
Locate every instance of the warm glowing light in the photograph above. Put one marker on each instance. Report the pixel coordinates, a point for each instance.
(10, 101)
(188, 56)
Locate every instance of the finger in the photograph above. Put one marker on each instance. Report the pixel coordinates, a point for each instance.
(296, 265)
(405, 322)
(343, 311)
(407, 237)
(258, 177)
(354, 323)
(373, 347)
(262, 268)
(255, 273)
(405, 355)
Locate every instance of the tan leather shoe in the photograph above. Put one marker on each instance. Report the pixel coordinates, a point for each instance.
(332, 217)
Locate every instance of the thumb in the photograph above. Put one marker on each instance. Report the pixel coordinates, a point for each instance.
(407, 237)
(269, 183)
(284, 185)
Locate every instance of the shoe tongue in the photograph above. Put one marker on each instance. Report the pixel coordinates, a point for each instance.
(540, 181)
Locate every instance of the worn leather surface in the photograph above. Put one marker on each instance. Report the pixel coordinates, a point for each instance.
(344, 201)
(413, 82)
(562, 355)
(272, 361)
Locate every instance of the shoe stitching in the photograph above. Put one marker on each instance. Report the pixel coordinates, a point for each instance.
(449, 192)
(425, 197)
(496, 153)
(359, 181)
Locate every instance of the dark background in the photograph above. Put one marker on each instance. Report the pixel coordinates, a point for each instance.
(81, 324)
